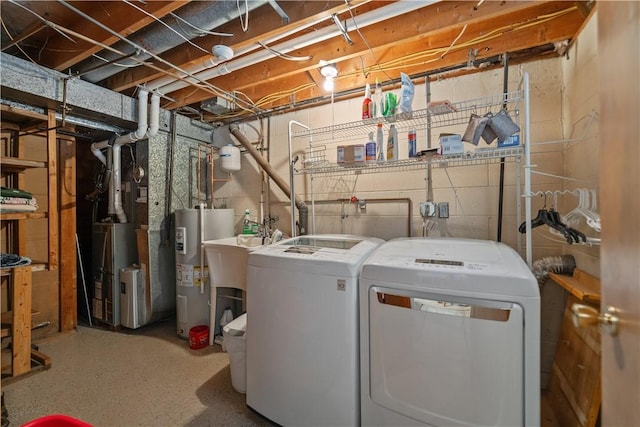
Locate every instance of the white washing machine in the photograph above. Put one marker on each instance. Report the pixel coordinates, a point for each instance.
(302, 329)
(449, 335)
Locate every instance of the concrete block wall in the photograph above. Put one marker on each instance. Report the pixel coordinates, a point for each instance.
(471, 191)
(562, 93)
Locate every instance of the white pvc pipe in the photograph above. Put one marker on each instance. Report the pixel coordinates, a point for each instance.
(369, 18)
(96, 149)
(211, 62)
(202, 249)
(154, 116)
(115, 189)
(143, 96)
(116, 183)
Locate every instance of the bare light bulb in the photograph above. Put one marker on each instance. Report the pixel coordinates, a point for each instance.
(328, 84)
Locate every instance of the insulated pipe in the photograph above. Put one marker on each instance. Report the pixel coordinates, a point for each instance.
(366, 19)
(303, 211)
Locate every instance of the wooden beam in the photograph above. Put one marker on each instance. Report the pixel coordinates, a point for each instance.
(277, 75)
(52, 182)
(24, 113)
(60, 53)
(263, 26)
(68, 256)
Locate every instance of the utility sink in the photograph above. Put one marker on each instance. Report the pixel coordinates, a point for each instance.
(227, 259)
(249, 240)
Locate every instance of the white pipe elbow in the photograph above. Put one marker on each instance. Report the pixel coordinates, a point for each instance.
(98, 153)
(140, 133)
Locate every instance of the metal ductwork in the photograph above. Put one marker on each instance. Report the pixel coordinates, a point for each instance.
(204, 72)
(162, 36)
(303, 210)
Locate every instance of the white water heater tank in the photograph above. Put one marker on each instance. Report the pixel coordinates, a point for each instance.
(230, 158)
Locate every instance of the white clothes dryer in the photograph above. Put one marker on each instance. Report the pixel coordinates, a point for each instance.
(449, 335)
(302, 329)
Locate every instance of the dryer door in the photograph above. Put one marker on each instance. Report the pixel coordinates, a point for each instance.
(445, 360)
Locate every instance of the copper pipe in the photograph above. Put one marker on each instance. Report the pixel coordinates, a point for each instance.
(378, 200)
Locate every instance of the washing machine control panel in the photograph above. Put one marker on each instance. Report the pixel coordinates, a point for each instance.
(435, 264)
(439, 262)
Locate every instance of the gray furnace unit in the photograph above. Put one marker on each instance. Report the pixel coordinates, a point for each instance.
(114, 248)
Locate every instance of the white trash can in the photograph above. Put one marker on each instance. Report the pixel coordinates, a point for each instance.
(234, 341)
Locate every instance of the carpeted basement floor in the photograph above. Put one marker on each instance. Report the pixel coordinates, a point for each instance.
(146, 377)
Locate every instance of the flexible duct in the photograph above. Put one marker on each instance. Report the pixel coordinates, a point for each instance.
(563, 264)
(303, 210)
(366, 19)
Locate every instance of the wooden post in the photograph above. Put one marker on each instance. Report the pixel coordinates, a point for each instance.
(52, 181)
(68, 256)
(21, 322)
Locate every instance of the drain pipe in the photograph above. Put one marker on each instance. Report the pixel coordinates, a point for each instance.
(303, 210)
(129, 138)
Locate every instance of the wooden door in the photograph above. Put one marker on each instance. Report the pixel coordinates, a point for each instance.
(619, 52)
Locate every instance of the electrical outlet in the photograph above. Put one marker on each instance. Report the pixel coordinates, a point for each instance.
(427, 209)
(443, 210)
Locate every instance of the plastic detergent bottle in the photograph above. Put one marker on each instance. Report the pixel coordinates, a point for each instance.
(412, 143)
(227, 316)
(392, 144)
(246, 223)
(370, 150)
(380, 143)
(366, 103)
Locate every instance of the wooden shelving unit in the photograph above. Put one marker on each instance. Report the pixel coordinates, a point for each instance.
(14, 163)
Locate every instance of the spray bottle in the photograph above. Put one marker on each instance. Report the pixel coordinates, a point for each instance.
(370, 149)
(375, 100)
(392, 144)
(246, 223)
(366, 103)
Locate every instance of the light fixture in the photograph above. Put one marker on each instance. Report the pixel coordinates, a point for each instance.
(329, 72)
(222, 52)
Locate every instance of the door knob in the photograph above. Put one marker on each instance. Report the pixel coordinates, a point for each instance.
(584, 315)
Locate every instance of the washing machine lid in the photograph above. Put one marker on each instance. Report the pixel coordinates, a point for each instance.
(452, 264)
(328, 254)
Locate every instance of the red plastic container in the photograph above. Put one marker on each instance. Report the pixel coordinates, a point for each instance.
(56, 420)
(198, 337)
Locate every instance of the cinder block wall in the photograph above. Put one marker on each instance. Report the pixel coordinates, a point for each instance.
(563, 95)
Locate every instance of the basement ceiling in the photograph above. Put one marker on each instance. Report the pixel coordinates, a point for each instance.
(278, 46)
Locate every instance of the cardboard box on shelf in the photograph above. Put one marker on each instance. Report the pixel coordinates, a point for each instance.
(451, 143)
